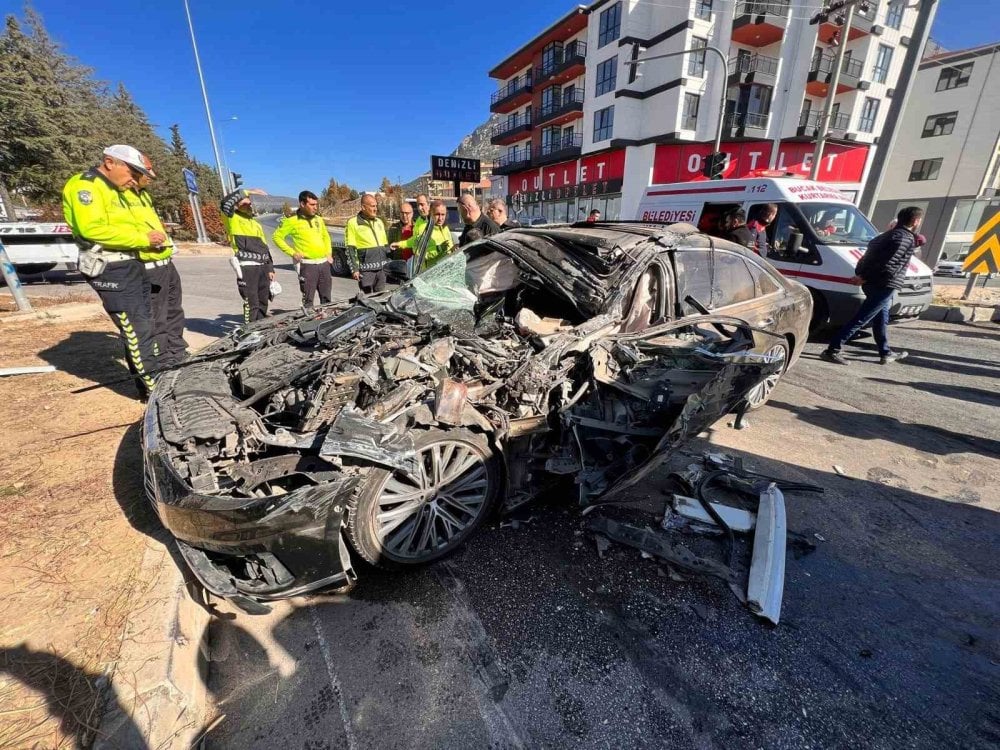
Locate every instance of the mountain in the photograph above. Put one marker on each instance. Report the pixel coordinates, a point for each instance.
(476, 145)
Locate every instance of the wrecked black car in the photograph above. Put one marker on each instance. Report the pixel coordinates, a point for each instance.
(392, 426)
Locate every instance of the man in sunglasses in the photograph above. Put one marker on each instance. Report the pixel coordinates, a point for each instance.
(111, 236)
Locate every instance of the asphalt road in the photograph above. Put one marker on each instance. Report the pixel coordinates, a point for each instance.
(993, 283)
(890, 631)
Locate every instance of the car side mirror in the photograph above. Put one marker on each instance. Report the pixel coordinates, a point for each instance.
(794, 246)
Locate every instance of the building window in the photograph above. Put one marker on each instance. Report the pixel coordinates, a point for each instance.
(607, 76)
(868, 114)
(690, 115)
(968, 216)
(939, 125)
(551, 56)
(610, 26)
(882, 62)
(894, 14)
(696, 60)
(604, 122)
(954, 77)
(925, 169)
(703, 9)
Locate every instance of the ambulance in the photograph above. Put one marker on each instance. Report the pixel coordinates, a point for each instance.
(817, 237)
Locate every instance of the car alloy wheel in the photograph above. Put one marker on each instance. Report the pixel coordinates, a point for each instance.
(761, 392)
(407, 520)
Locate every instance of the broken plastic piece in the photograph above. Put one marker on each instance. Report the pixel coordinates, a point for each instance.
(767, 567)
(26, 370)
(735, 518)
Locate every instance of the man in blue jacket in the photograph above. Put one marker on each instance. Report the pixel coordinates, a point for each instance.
(880, 273)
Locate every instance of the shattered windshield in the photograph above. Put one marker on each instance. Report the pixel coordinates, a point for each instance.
(454, 285)
(838, 223)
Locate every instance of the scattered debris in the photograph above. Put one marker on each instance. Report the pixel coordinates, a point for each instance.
(839, 469)
(603, 545)
(37, 370)
(820, 537)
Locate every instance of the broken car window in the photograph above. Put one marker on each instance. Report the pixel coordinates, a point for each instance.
(694, 278)
(441, 287)
(733, 282)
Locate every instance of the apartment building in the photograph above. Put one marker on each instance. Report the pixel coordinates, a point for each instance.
(584, 129)
(947, 153)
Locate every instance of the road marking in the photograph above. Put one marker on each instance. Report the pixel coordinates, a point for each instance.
(352, 743)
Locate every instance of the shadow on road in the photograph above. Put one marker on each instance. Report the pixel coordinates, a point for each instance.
(72, 695)
(220, 326)
(527, 638)
(957, 392)
(943, 361)
(97, 356)
(879, 427)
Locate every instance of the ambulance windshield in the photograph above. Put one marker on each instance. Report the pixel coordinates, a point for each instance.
(838, 223)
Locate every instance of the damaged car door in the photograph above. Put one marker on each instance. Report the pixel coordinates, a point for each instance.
(650, 392)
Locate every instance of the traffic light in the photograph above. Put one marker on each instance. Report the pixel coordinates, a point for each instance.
(237, 180)
(715, 165)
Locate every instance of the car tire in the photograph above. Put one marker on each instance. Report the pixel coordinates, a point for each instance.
(763, 390)
(458, 487)
(820, 320)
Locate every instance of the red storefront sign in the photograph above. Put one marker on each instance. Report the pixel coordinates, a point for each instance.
(559, 175)
(684, 163)
(524, 182)
(600, 167)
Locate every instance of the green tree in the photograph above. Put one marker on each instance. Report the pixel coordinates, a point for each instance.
(353, 195)
(177, 145)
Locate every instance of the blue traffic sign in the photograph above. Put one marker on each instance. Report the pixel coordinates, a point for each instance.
(192, 183)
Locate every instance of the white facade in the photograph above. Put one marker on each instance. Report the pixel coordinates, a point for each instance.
(946, 158)
(769, 98)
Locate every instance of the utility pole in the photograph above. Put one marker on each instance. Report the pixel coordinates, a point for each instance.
(887, 139)
(831, 93)
(204, 94)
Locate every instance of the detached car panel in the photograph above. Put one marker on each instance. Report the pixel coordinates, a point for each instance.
(392, 426)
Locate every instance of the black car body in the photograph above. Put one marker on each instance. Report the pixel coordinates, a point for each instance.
(392, 425)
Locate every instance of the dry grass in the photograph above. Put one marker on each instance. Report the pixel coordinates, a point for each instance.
(68, 555)
(7, 301)
(951, 295)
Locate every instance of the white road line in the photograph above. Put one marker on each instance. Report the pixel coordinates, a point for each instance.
(352, 743)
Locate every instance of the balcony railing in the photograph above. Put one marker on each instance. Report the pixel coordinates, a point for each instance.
(822, 68)
(570, 101)
(740, 122)
(755, 67)
(809, 122)
(520, 85)
(513, 126)
(518, 158)
(560, 148)
(574, 53)
(777, 8)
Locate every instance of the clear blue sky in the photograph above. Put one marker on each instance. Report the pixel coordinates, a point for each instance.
(332, 88)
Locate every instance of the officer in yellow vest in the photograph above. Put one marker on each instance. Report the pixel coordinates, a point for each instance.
(110, 239)
(313, 251)
(367, 246)
(251, 255)
(166, 296)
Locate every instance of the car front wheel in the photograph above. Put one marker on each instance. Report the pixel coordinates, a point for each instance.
(762, 391)
(398, 520)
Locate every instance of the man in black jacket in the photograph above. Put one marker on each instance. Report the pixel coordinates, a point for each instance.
(475, 220)
(880, 272)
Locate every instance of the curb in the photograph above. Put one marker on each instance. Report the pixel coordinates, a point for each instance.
(157, 696)
(959, 313)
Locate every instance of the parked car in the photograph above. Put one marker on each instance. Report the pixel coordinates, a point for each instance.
(951, 268)
(390, 427)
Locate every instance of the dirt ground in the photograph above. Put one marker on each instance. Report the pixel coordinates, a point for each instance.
(70, 490)
(951, 295)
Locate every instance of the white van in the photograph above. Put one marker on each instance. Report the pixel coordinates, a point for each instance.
(816, 239)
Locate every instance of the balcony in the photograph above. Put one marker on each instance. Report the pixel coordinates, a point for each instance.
(753, 68)
(513, 95)
(569, 107)
(567, 147)
(514, 129)
(821, 72)
(564, 65)
(758, 23)
(861, 25)
(515, 161)
(809, 123)
(746, 124)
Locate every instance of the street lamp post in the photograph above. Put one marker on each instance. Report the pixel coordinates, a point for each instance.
(204, 94)
(723, 68)
(228, 179)
(831, 94)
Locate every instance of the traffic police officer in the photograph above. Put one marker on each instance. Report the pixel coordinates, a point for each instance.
(252, 257)
(367, 246)
(165, 282)
(313, 251)
(110, 238)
